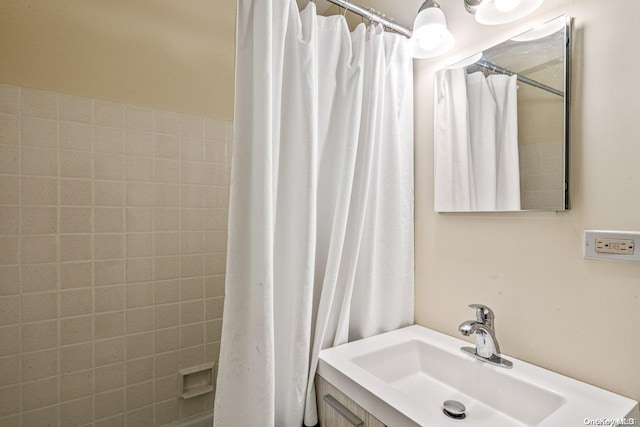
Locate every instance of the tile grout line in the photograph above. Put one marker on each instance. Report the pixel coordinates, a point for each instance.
(126, 264)
(203, 249)
(153, 269)
(19, 260)
(180, 222)
(58, 258)
(93, 264)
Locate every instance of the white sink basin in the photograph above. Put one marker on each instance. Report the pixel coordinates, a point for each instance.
(403, 377)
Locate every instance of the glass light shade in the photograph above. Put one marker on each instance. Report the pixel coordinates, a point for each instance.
(467, 61)
(430, 34)
(541, 31)
(507, 5)
(496, 12)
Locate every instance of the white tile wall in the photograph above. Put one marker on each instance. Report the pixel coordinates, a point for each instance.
(112, 253)
(542, 175)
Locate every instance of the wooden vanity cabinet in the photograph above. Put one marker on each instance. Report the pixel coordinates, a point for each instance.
(336, 409)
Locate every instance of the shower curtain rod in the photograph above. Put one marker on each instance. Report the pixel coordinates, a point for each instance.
(374, 16)
(526, 80)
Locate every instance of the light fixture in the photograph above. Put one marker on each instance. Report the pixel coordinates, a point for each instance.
(430, 37)
(495, 12)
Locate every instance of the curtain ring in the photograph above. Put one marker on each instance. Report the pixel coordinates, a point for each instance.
(372, 12)
(383, 16)
(390, 20)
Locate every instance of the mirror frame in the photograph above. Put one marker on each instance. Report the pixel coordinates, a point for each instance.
(567, 105)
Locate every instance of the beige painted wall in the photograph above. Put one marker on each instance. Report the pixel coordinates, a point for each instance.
(553, 308)
(165, 54)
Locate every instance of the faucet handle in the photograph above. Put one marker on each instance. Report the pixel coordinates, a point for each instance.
(483, 313)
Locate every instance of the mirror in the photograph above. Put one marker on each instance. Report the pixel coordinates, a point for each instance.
(501, 125)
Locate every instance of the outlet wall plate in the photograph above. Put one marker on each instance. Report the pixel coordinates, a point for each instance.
(619, 242)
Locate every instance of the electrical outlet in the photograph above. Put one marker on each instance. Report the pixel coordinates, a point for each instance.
(615, 246)
(611, 245)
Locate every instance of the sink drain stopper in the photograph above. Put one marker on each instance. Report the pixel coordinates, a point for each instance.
(454, 409)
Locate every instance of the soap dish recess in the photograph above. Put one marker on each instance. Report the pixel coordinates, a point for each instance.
(196, 381)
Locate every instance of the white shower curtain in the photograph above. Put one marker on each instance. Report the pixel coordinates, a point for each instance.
(476, 142)
(321, 212)
(454, 188)
(504, 90)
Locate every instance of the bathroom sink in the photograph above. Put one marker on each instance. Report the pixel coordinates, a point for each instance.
(403, 378)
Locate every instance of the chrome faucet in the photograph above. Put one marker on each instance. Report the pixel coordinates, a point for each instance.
(487, 347)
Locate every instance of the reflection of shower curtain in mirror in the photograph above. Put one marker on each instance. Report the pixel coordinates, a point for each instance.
(476, 137)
